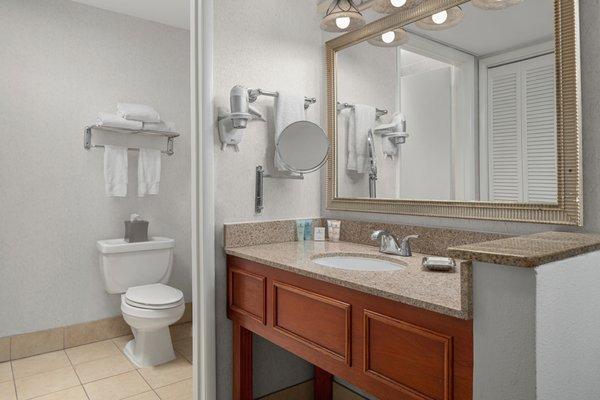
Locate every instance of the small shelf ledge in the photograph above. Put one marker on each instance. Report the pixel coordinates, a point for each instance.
(87, 136)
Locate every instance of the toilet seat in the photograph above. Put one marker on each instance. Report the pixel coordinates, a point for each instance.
(153, 297)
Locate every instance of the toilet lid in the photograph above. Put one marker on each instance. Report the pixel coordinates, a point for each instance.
(152, 296)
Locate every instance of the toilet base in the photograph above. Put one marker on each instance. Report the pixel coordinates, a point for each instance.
(150, 348)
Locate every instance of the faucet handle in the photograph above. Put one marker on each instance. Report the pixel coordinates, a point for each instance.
(407, 238)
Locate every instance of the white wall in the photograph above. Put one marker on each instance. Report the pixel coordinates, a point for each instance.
(61, 63)
(568, 329)
(272, 45)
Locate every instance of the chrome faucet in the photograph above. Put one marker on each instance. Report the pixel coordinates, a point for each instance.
(389, 244)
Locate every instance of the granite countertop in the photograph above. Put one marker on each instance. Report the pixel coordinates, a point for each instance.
(448, 293)
(530, 250)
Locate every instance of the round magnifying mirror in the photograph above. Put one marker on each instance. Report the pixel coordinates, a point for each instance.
(302, 147)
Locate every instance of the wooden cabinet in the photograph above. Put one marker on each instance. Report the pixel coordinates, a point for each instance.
(392, 350)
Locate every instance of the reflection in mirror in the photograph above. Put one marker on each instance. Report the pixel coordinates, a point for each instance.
(302, 147)
(470, 101)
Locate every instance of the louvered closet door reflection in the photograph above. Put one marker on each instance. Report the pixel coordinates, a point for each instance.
(504, 133)
(522, 131)
(539, 127)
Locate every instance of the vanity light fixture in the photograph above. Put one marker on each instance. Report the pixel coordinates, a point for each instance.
(342, 16)
(392, 6)
(494, 4)
(393, 38)
(442, 20)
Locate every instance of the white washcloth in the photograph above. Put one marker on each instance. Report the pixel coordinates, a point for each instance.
(148, 171)
(115, 170)
(390, 150)
(289, 107)
(115, 121)
(364, 120)
(137, 112)
(161, 126)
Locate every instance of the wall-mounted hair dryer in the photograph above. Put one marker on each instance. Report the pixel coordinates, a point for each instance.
(232, 124)
(241, 110)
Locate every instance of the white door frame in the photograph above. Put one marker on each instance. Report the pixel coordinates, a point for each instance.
(203, 257)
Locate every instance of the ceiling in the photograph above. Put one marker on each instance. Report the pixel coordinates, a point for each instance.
(169, 12)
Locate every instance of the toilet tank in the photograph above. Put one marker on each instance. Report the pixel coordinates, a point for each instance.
(124, 264)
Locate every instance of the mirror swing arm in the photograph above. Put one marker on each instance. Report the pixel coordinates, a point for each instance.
(259, 184)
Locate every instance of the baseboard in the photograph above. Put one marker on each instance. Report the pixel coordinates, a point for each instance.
(46, 341)
(305, 391)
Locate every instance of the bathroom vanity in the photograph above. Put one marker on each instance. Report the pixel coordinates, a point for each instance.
(401, 334)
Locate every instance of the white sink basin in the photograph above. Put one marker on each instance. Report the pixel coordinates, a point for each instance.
(358, 263)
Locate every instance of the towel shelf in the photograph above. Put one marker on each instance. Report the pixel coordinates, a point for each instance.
(87, 136)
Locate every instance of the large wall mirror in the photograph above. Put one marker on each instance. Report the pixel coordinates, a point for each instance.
(453, 109)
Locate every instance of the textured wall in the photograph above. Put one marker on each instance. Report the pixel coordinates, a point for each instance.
(61, 63)
(568, 328)
(272, 45)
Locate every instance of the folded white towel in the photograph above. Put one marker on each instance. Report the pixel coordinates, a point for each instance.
(161, 126)
(115, 170)
(289, 107)
(137, 112)
(364, 120)
(115, 121)
(148, 171)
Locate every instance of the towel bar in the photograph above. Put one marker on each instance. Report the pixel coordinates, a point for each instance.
(87, 137)
(380, 112)
(254, 93)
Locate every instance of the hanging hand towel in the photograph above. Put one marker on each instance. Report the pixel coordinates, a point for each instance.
(148, 171)
(364, 120)
(289, 108)
(161, 126)
(390, 150)
(137, 112)
(346, 131)
(114, 121)
(115, 170)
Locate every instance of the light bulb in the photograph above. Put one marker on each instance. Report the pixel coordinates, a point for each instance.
(440, 18)
(342, 22)
(388, 37)
(398, 3)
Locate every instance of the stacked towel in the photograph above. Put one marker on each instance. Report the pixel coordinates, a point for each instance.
(162, 126)
(358, 128)
(115, 121)
(137, 112)
(289, 108)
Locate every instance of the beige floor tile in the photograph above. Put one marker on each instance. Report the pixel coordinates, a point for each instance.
(4, 349)
(165, 374)
(31, 344)
(38, 364)
(340, 392)
(91, 332)
(7, 391)
(176, 391)
(46, 383)
(76, 393)
(179, 332)
(144, 396)
(121, 341)
(103, 368)
(117, 387)
(91, 352)
(184, 348)
(5, 372)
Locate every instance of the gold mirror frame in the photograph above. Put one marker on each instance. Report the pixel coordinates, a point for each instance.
(568, 210)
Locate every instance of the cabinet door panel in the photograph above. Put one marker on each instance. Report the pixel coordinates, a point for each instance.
(320, 322)
(247, 294)
(409, 357)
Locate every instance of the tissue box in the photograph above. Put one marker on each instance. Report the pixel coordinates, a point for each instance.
(136, 231)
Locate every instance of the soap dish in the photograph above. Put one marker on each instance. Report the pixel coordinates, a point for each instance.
(438, 263)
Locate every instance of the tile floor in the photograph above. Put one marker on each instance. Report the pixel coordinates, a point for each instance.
(99, 371)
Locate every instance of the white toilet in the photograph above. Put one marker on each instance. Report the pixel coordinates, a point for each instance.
(139, 272)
